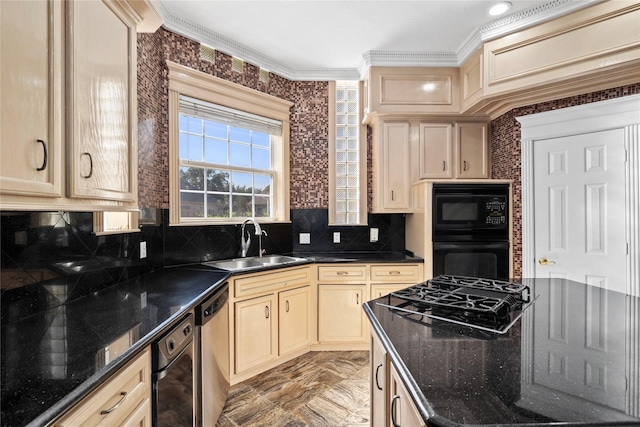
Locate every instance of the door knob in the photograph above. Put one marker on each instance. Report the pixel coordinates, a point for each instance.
(544, 261)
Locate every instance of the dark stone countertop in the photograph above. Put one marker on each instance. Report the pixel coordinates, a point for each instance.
(363, 257)
(572, 358)
(53, 358)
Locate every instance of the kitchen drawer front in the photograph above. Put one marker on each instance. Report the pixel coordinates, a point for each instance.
(342, 273)
(262, 283)
(125, 391)
(396, 273)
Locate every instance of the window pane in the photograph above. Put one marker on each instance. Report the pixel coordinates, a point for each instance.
(261, 139)
(215, 151)
(262, 206)
(192, 147)
(217, 206)
(192, 205)
(261, 158)
(217, 130)
(242, 182)
(218, 181)
(190, 124)
(262, 184)
(239, 134)
(191, 178)
(241, 206)
(239, 155)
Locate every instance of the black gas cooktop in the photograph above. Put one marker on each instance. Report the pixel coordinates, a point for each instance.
(486, 304)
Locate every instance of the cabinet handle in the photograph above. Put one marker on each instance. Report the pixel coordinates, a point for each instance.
(392, 195)
(114, 407)
(90, 164)
(46, 155)
(342, 273)
(266, 311)
(464, 163)
(444, 165)
(394, 273)
(393, 410)
(357, 299)
(377, 369)
(287, 309)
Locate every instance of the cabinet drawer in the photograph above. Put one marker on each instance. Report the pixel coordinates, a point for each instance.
(342, 273)
(396, 273)
(125, 391)
(266, 282)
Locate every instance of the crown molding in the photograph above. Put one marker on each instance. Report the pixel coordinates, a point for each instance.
(498, 28)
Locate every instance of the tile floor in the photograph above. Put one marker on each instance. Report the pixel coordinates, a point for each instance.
(318, 389)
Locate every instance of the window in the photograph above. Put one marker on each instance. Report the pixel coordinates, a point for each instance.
(228, 148)
(225, 162)
(347, 166)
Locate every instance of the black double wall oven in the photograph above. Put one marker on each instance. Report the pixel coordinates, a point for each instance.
(471, 230)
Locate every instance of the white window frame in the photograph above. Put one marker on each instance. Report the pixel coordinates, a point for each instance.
(196, 84)
(362, 148)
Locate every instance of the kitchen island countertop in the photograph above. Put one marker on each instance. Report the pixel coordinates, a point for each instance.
(572, 358)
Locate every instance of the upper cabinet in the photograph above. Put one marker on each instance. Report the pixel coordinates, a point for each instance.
(68, 126)
(31, 67)
(472, 150)
(101, 102)
(412, 90)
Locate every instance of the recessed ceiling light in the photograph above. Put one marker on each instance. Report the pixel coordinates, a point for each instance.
(499, 8)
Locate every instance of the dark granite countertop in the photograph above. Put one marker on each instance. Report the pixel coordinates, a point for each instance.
(54, 357)
(364, 257)
(572, 359)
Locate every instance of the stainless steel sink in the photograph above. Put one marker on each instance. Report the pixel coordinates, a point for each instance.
(253, 263)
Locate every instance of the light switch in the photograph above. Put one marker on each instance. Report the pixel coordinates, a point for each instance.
(143, 250)
(373, 235)
(305, 238)
(336, 237)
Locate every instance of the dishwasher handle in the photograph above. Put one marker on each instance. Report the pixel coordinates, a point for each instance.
(213, 304)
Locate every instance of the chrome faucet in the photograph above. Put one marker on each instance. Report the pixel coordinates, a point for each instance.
(244, 244)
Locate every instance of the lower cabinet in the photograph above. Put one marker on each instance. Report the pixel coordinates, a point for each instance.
(123, 400)
(295, 325)
(391, 404)
(256, 332)
(340, 314)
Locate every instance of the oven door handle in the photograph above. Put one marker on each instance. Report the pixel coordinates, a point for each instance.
(470, 245)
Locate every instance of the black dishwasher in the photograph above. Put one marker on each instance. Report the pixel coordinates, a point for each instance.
(173, 376)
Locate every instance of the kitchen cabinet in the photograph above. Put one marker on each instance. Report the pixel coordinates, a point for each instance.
(459, 150)
(379, 384)
(402, 411)
(294, 321)
(31, 76)
(391, 169)
(256, 332)
(271, 320)
(340, 315)
(89, 49)
(123, 400)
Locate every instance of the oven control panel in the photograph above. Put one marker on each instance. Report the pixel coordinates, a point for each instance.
(496, 211)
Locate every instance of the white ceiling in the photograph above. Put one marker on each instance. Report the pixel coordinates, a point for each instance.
(331, 39)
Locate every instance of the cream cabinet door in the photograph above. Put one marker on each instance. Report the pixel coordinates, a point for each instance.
(256, 332)
(379, 385)
(395, 174)
(402, 411)
(294, 309)
(473, 150)
(31, 36)
(436, 150)
(340, 314)
(101, 85)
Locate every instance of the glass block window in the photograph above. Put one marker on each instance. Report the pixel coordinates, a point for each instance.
(237, 65)
(207, 53)
(226, 167)
(347, 154)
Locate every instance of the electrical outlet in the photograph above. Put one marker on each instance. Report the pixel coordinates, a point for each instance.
(143, 299)
(336, 237)
(143, 250)
(305, 238)
(373, 235)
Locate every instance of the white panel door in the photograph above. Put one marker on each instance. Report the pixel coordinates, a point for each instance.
(579, 208)
(580, 353)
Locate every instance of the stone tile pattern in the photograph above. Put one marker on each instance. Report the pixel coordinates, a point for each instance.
(309, 118)
(316, 389)
(506, 156)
